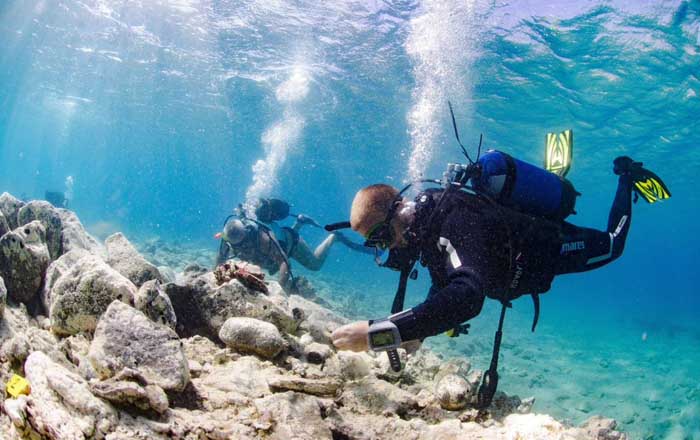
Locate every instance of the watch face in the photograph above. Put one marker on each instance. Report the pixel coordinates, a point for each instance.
(382, 338)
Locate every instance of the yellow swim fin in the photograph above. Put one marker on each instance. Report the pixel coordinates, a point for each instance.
(650, 186)
(558, 153)
(646, 184)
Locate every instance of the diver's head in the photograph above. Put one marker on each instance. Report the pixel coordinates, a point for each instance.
(234, 231)
(375, 215)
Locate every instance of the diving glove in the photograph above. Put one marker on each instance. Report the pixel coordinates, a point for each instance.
(625, 165)
(645, 183)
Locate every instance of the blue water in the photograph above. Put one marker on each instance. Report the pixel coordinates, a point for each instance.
(167, 114)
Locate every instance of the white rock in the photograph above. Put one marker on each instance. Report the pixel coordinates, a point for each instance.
(453, 392)
(460, 367)
(126, 338)
(61, 406)
(4, 226)
(19, 337)
(16, 410)
(368, 426)
(317, 387)
(124, 257)
(10, 206)
(293, 416)
(3, 297)
(601, 428)
(168, 274)
(202, 308)
(24, 258)
(43, 211)
(306, 339)
(240, 380)
(58, 268)
(349, 365)
(123, 392)
(80, 296)
(371, 395)
(423, 366)
(250, 335)
(316, 353)
(152, 301)
(74, 235)
(319, 321)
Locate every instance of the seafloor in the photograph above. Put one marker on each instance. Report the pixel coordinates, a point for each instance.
(643, 376)
(113, 346)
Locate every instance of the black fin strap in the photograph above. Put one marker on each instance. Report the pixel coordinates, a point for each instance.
(536, 303)
(509, 183)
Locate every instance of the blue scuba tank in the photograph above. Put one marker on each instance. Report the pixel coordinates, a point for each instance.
(524, 187)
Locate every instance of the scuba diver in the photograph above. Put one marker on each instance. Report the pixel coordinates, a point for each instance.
(264, 242)
(494, 228)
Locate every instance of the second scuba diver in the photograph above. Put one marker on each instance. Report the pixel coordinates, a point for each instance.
(501, 239)
(264, 242)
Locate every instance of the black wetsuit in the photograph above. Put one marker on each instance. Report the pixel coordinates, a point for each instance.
(474, 249)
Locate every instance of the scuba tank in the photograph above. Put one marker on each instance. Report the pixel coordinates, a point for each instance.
(519, 185)
(271, 210)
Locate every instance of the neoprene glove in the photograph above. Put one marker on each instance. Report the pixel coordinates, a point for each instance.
(625, 165)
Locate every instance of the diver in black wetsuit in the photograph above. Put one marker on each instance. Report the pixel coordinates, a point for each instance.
(474, 249)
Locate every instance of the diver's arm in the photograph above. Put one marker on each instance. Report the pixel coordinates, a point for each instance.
(459, 301)
(297, 225)
(302, 220)
(464, 244)
(445, 309)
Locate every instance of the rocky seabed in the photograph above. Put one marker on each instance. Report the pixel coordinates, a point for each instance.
(115, 347)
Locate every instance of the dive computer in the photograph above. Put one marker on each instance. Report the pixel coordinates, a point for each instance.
(383, 335)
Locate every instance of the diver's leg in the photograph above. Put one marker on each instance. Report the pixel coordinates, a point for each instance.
(585, 249)
(312, 260)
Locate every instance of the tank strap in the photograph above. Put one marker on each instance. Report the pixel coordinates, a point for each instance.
(509, 183)
(274, 243)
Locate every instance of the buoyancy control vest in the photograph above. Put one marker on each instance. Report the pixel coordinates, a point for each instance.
(523, 246)
(527, 246)
(271, 210)
(251, 248)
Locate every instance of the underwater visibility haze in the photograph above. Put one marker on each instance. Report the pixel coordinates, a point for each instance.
(158, 117)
